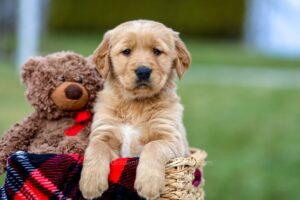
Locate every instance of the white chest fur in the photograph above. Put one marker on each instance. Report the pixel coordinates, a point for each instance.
(130, 136)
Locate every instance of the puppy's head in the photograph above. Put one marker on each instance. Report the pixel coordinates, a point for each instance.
(140, 56)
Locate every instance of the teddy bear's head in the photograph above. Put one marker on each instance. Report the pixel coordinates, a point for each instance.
(61, 84)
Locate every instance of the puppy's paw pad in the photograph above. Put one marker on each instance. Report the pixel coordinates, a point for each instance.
(92, 186)
(149, 185)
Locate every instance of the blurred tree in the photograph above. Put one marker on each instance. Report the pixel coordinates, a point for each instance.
(10, 22)
(212, 18)
(7, 22)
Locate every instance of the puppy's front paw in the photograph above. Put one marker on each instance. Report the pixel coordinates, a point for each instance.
(149, 182)
(93, 182)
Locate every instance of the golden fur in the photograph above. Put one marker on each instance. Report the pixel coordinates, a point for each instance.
(153, 110)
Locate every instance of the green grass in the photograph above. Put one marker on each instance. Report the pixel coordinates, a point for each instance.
(252, 139)
(251, 134)
(13, 105)
(233, 53)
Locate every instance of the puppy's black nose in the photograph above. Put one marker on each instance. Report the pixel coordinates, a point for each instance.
(143, 73)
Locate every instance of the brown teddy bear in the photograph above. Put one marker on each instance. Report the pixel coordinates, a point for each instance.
(62, 88)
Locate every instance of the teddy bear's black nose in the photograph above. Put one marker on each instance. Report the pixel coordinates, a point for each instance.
(73, 92)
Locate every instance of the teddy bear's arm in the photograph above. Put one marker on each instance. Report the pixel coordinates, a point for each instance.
(72, 145)
(18, 138)
(76, 144)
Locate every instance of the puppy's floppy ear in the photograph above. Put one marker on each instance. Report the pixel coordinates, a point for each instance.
(101, 56)
(183, 58)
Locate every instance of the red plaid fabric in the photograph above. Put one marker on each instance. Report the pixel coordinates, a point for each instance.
(53, 176)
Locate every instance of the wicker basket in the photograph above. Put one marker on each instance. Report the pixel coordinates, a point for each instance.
(184, 179)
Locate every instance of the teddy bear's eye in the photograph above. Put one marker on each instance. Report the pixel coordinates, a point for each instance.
(79, 79)
(61, 78)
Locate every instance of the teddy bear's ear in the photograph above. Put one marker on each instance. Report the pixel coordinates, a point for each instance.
(28, 68)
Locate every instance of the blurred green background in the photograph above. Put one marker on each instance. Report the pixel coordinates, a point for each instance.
(250, 131)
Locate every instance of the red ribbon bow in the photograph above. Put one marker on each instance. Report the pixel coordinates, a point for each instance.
(81, 120)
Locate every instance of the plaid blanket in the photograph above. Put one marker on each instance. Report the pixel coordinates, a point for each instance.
(53, 176)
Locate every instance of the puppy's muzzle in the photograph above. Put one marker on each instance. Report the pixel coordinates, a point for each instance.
(143, 73)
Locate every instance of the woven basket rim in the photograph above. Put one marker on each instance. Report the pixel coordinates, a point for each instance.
(197, 158)
(180, 175)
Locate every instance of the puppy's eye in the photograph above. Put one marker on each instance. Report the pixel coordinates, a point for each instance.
(61, 78)
(156, 51)
(126, 52)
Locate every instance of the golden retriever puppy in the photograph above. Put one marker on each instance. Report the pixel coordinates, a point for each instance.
(138, 113)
